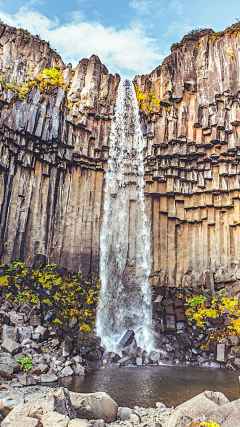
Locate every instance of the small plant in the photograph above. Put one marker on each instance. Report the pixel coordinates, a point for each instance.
(210, 424)
(6, 244)
(197, 300)
(25, 362)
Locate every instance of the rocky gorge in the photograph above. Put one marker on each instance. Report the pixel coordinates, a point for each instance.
(55, 127)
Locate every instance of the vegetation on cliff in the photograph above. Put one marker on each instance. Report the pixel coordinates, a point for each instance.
(66, 298)
(195, 35)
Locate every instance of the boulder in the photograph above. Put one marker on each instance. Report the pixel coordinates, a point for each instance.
(27, 379)
(5, 359)
(67, 371)
(10, 346)
(44, 332)
(78, 369)
(54, 401)
(127, 338)
(22, 421)
(23, 334)
(9, 332)
(49, 377)
(53, 419)
(198, 406)
(227, 415)
(124, 414)
(9, 402)
(6, 371)
(94, 406)
(221, 353)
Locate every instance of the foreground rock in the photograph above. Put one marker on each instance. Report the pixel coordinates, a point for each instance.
(199, 406)
(94, 406)
(60, 408)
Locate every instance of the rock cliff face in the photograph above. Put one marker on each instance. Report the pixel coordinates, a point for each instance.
(54, 129)
(54, 138)
(191, 118)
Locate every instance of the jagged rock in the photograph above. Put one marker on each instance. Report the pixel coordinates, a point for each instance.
(198, 406)
(44, 332)
(9, 332)
(57, 401)
(127, 338)
(27, 379)
(23, 334)
(78, 369)
(94, 406)
(9, 402)
(10, 346)
(227, 415)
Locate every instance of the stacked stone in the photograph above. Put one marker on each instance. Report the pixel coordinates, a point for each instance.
(192, 166)
(53, 148)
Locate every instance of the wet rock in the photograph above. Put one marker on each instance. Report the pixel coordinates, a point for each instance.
(221, 353)
(78, 369)
(67, 371)
(127, 338)
(154, 356)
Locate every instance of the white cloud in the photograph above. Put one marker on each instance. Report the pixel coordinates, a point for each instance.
(156, 7)
(128, 51)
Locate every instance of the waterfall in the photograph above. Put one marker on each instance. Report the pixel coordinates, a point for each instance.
(125, 242)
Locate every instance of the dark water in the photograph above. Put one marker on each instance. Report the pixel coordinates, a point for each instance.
(144, 386)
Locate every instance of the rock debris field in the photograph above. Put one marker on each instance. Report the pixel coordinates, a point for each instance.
(42, 406)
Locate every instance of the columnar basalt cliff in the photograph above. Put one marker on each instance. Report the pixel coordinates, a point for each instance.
(54, 140)
(191, 118)
(54, 130)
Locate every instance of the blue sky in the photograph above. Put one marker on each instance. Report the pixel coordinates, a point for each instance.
(130, 36)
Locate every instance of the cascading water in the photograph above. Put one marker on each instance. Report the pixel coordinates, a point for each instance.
(125, 246)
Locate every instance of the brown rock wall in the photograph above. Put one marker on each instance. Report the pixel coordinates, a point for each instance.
(53, 148)
(190, 112)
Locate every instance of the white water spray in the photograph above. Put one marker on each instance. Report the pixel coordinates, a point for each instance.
(125, 246)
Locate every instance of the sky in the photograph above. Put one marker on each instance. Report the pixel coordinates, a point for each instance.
(130, 36)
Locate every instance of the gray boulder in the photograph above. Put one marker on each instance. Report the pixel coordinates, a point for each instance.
(95, 406)
(22, 422)
(10, 346)
(227, 415)
(198, 406)
(9, 332)
(54, 401)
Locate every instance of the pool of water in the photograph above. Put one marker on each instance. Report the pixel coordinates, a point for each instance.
(144, 386)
